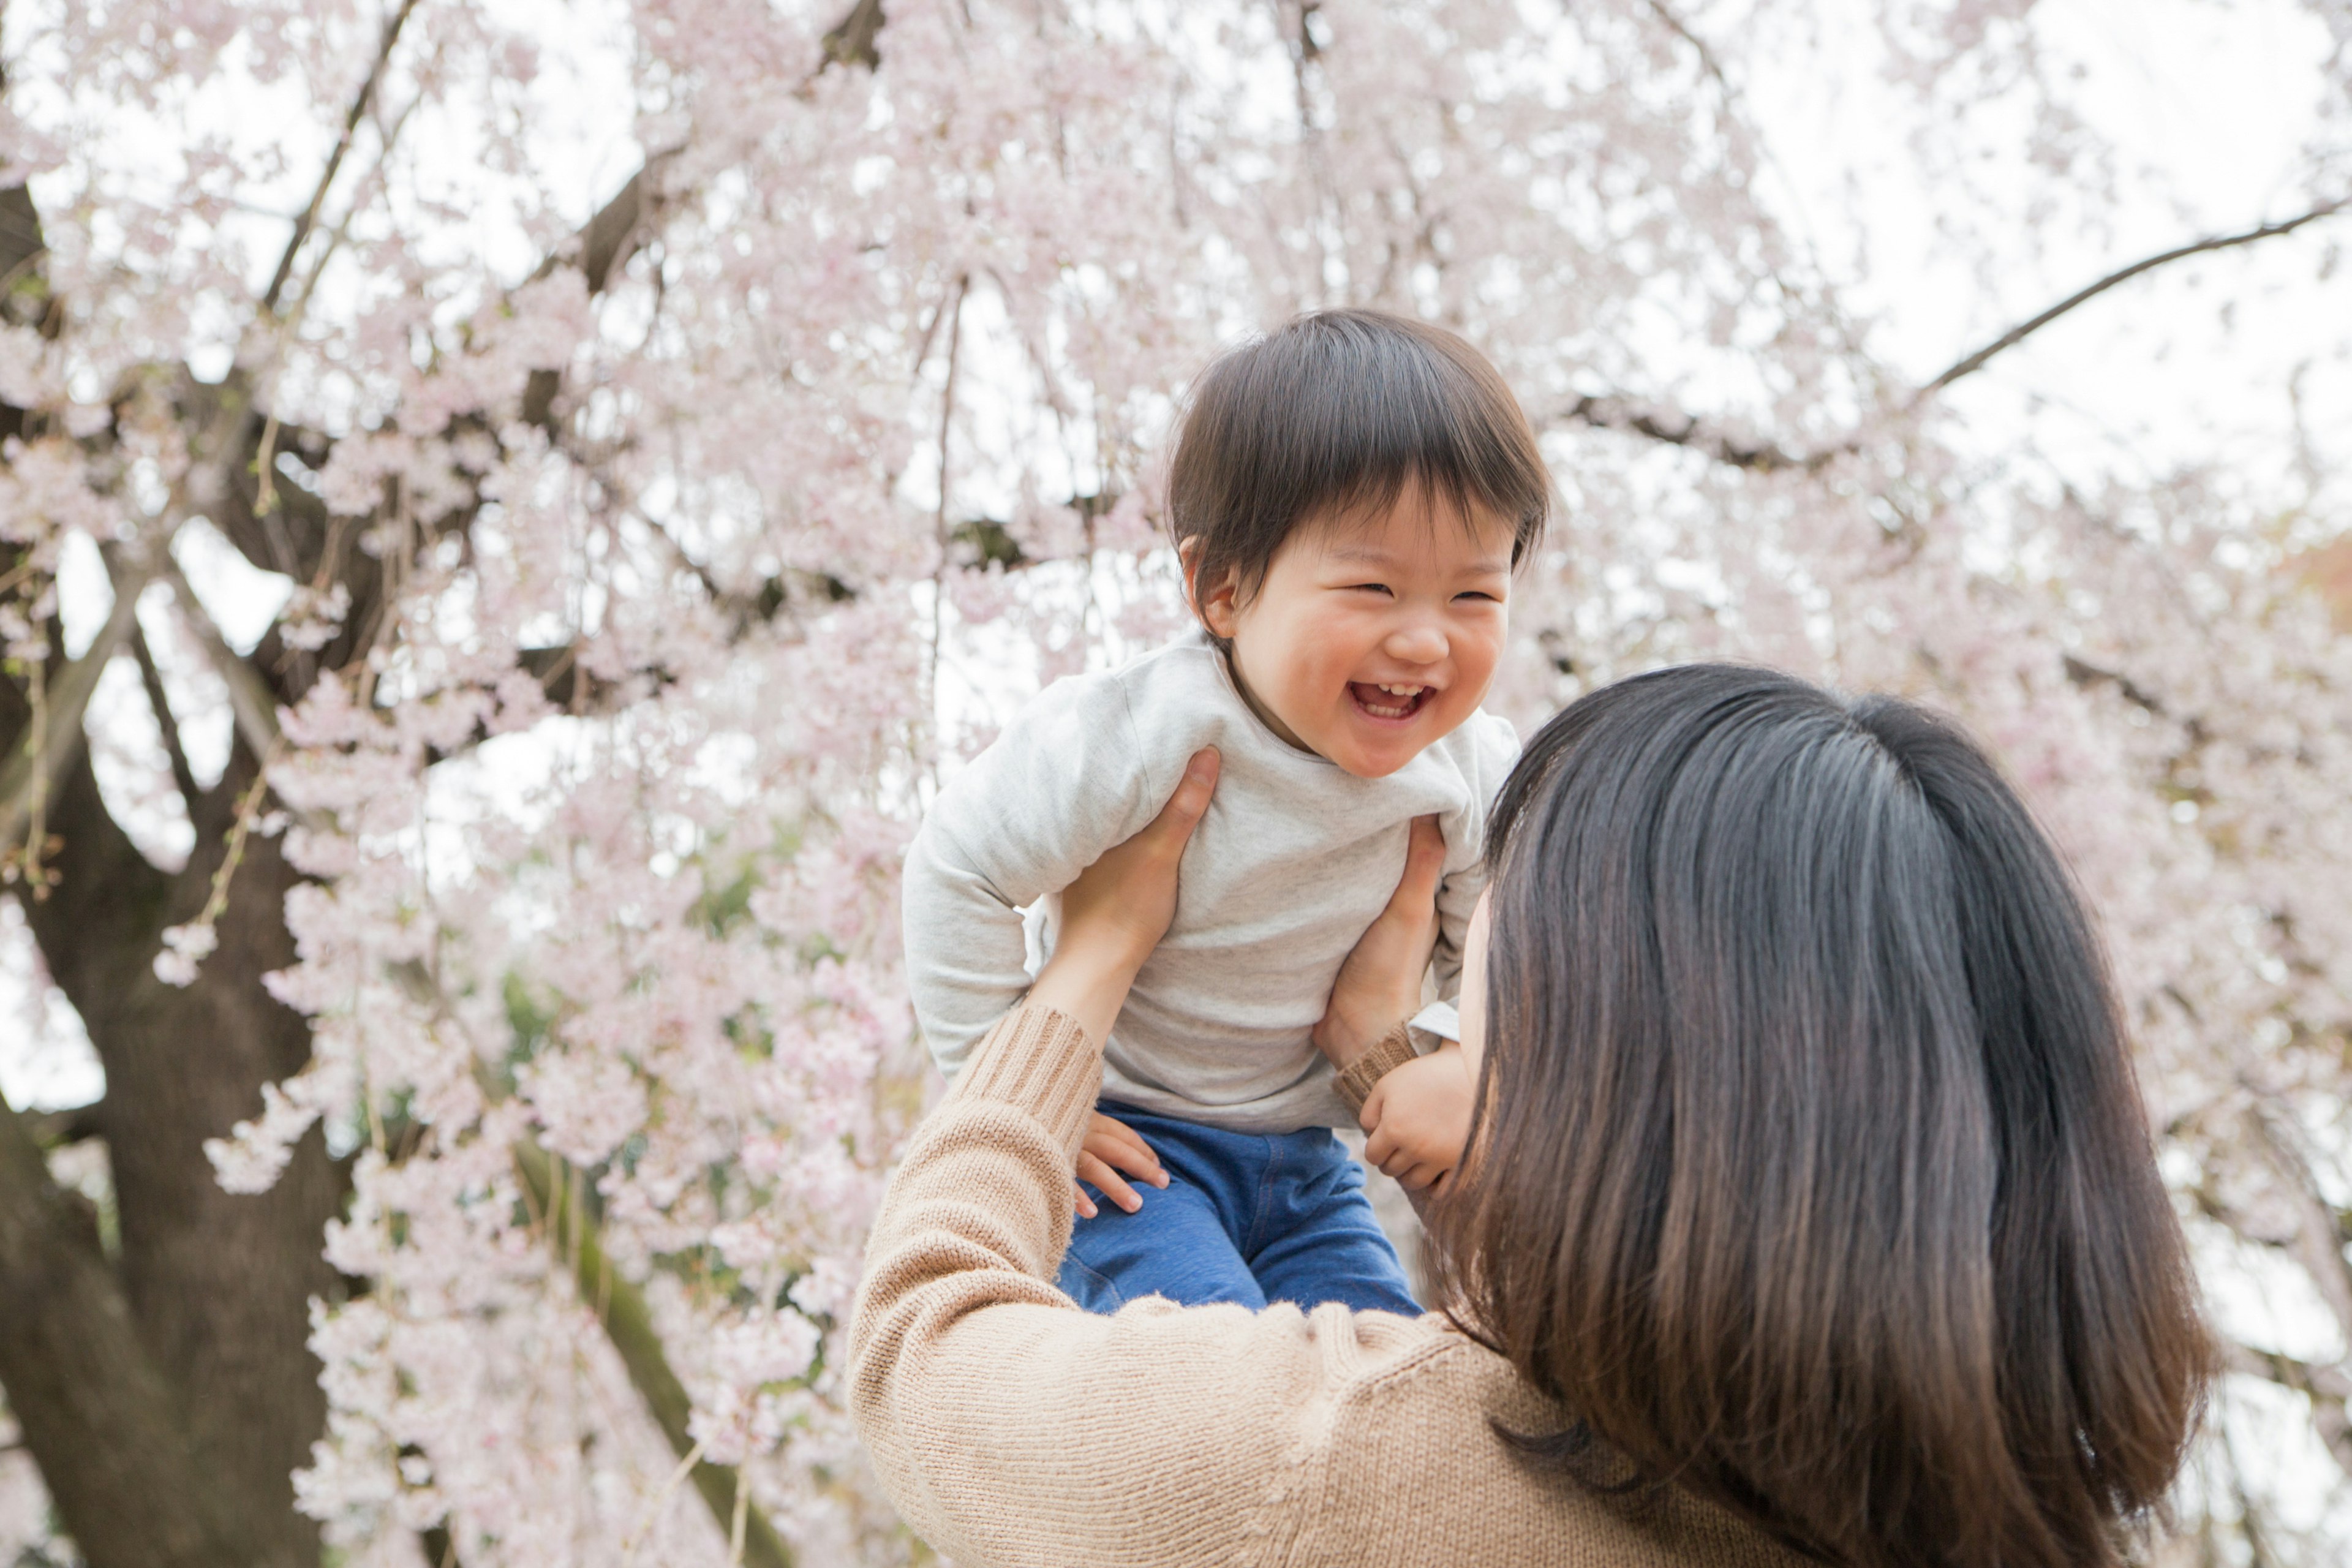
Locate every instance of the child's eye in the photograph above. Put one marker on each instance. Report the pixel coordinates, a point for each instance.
(1368, 587)
(1490, 598)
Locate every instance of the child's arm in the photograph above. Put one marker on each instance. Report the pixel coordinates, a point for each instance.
(1065, 782)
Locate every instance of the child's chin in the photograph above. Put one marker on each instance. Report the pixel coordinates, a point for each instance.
(1366, 763)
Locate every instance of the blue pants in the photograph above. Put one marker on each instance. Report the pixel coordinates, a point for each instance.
(1244, 1217)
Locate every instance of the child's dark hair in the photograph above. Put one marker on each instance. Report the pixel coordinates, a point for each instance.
(1337, 412)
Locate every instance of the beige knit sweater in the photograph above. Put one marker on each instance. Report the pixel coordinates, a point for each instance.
(1011, 1427)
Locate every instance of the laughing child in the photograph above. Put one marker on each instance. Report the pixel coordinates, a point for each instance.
(1349, 497)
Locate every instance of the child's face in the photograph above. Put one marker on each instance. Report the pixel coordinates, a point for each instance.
(1371, 639)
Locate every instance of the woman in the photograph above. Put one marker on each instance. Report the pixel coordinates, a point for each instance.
(1808, 1205)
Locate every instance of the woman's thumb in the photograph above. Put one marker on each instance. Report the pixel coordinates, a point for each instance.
(1190, 802)
(1425, 862)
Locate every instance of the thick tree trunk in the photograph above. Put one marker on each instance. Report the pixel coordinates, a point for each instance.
(101, 1421)
(218, 1284)
(168, 1398)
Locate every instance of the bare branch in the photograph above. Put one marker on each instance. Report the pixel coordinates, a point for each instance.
(2327, 1387)
(75, 1125)
(249, 697)
(610, 239)
(303, 225)
(32, 775)
(2318, 1244)
(1604, 413)
(852, 40)
(20, 232)
(1971, 363)
(1677, 429)
(1706, 60)
(152, 678)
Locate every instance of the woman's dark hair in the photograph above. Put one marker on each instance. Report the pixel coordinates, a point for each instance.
(1810, 1173)
(1340, 411)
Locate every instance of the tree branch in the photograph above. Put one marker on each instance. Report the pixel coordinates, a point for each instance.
(2327, 1387)
(42, 758)
(1706, 60)
(574, 1231)
(302, 226)
(1968, 364)
(852, 40)
(250, 700)
(614, 235)
(1675, 429)
(2318, 1242)
(97, 1414)
(1606, 413)
(157, 699)
(610, 239)
(75, 1125)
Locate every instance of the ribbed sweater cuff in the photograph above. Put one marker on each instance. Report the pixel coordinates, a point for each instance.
(1041, 1061)
(1356, 1079)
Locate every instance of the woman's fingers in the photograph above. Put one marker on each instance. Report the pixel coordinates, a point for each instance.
(1080, 1201)
(1168, 833)
(1425, 864)
(1116, 910)
(1190, 802)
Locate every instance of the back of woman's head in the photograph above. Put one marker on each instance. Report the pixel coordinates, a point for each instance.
(1810, 1173)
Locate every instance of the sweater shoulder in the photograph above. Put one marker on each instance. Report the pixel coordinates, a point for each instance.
(1422, 1439)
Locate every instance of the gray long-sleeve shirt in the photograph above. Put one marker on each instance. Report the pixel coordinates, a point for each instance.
(1293, 859)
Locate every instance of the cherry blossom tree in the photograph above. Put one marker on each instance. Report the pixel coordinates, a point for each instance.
(505, 1045)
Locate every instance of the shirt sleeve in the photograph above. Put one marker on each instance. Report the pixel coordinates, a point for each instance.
(1009, 1426)
(1066, 781)
(1492, 748)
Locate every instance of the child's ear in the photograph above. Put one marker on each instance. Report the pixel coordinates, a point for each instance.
(1216, 603)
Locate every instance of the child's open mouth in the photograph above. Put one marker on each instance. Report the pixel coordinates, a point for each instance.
(1390, 702)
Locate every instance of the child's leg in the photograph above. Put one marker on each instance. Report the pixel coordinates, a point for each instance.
(1177, 1245)
(1316, 1239)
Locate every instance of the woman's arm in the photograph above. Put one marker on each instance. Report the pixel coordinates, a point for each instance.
(1118, 909)
(1363, 1031)
(1009, 1426)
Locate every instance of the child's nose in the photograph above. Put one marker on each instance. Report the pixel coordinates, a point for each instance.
(1418, 644)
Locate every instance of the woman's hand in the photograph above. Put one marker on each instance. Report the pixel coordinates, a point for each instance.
(1118, 909)
(1380, 985)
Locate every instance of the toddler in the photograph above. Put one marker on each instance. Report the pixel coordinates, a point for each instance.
(1349, 497)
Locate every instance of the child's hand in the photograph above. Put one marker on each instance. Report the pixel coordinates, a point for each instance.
(1419, 1117)
(1112, 1142)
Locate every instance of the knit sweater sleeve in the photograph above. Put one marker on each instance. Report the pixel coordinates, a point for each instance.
(1011, 1427)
